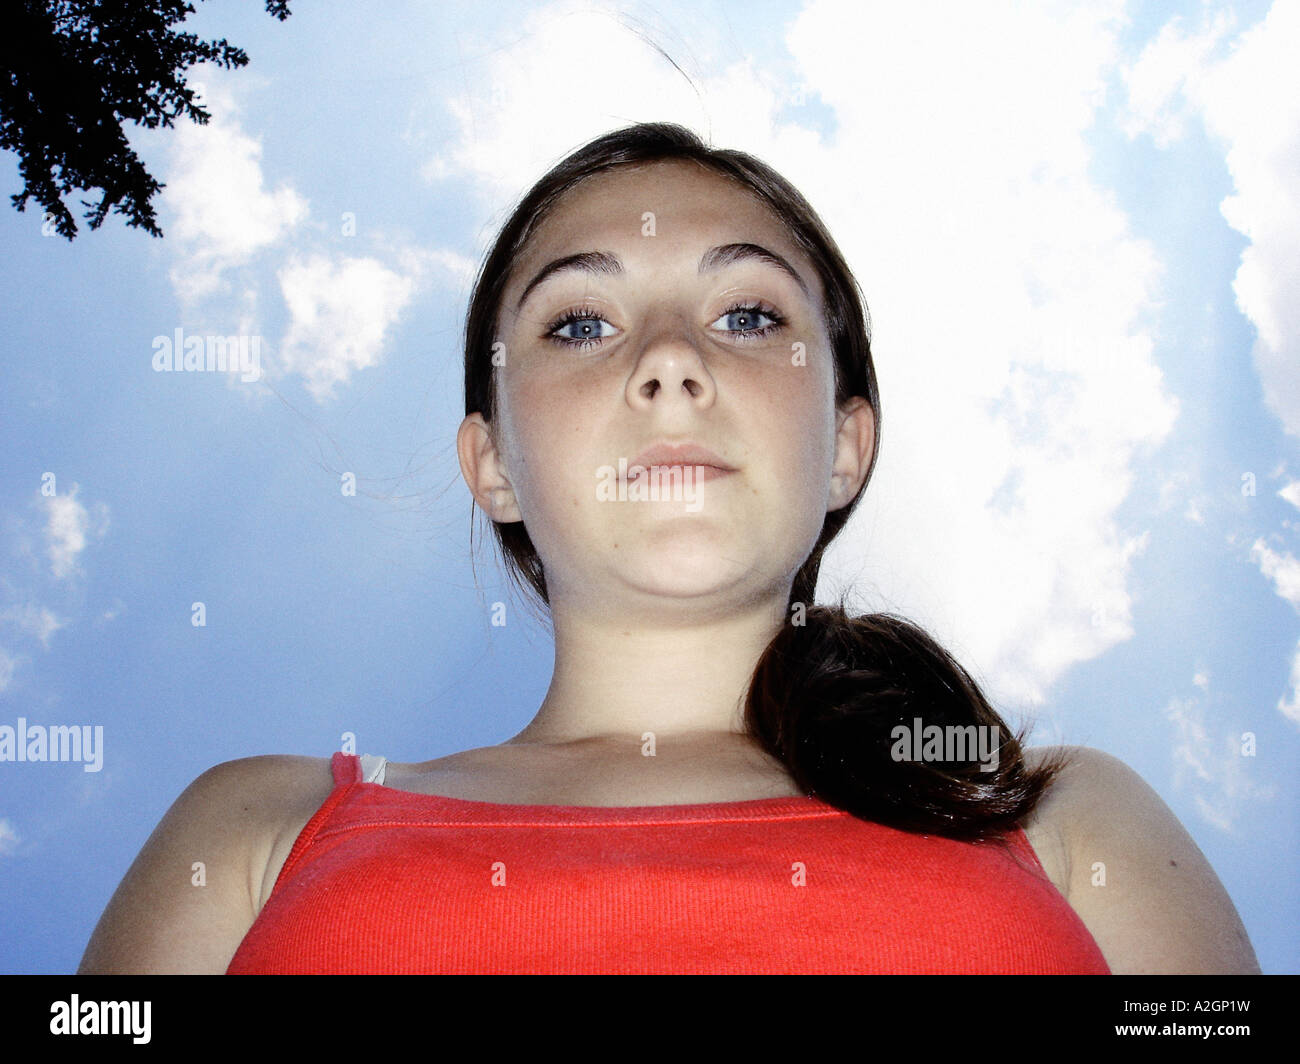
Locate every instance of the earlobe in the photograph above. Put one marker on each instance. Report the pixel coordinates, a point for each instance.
(484, 470)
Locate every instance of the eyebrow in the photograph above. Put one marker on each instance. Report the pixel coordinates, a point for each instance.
(609, 264)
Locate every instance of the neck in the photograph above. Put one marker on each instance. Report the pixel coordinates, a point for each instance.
(617, 681)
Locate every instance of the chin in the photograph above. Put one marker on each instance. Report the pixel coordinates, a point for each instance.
(679, 576)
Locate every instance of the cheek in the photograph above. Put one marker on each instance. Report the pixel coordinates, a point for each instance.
(545, 455)
(800, 410)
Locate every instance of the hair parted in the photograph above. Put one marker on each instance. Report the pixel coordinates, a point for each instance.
(830, 690)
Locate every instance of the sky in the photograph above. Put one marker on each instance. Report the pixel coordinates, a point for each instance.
(1076, 227)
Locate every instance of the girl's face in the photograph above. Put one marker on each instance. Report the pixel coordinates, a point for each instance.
(692, 319)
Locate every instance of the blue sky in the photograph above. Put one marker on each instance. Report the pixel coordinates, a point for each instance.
(1076, 228)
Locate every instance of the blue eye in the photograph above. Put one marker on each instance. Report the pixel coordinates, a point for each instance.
(750, 320)
(580, 328)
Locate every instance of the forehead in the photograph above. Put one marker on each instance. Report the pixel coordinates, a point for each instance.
(684, 205)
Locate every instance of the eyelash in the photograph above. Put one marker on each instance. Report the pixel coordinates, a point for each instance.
(568, 318)
(756, 307)
(590, 314)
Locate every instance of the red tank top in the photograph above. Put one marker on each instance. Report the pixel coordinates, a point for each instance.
(384, 880)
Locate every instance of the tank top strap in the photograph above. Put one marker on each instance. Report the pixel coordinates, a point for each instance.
(349, 768)
(346, 768)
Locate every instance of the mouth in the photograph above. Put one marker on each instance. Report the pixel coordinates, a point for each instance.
(676, 473)
(681, 457)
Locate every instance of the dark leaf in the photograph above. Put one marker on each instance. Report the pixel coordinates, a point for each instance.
(72, 72)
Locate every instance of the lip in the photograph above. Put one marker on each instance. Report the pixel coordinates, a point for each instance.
(680, 454)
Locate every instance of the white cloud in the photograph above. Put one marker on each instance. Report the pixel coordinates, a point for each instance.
(1289, 703)
(534, 99)
(1282, 568)
(340, 310)
(68, 529)
(222, 214)
(8, 837)
(112, 613)
(1178, 488)
(1172, 62)
(1192, 747)
(1246, 91)
(1017, 387)
(7, 666)
(460, 268)
(33, 620)
(1291, 493)
(1212, 767)
(1250, 101)
(1006, 287)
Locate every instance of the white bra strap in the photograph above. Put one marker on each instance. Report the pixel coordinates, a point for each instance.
(373, 767)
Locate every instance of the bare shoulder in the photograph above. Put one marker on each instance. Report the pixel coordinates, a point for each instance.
(270, 786)
(196, 886)
(1133, 873)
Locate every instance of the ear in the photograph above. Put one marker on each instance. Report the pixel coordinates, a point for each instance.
(855, 445)
(483, 468)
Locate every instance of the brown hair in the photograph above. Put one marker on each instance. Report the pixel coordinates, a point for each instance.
(830, 692)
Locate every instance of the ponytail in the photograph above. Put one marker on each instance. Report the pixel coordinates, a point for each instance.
(871, 715)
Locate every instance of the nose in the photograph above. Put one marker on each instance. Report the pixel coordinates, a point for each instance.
(670, 369)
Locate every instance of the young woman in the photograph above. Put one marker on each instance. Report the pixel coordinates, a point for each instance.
(671, 411)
